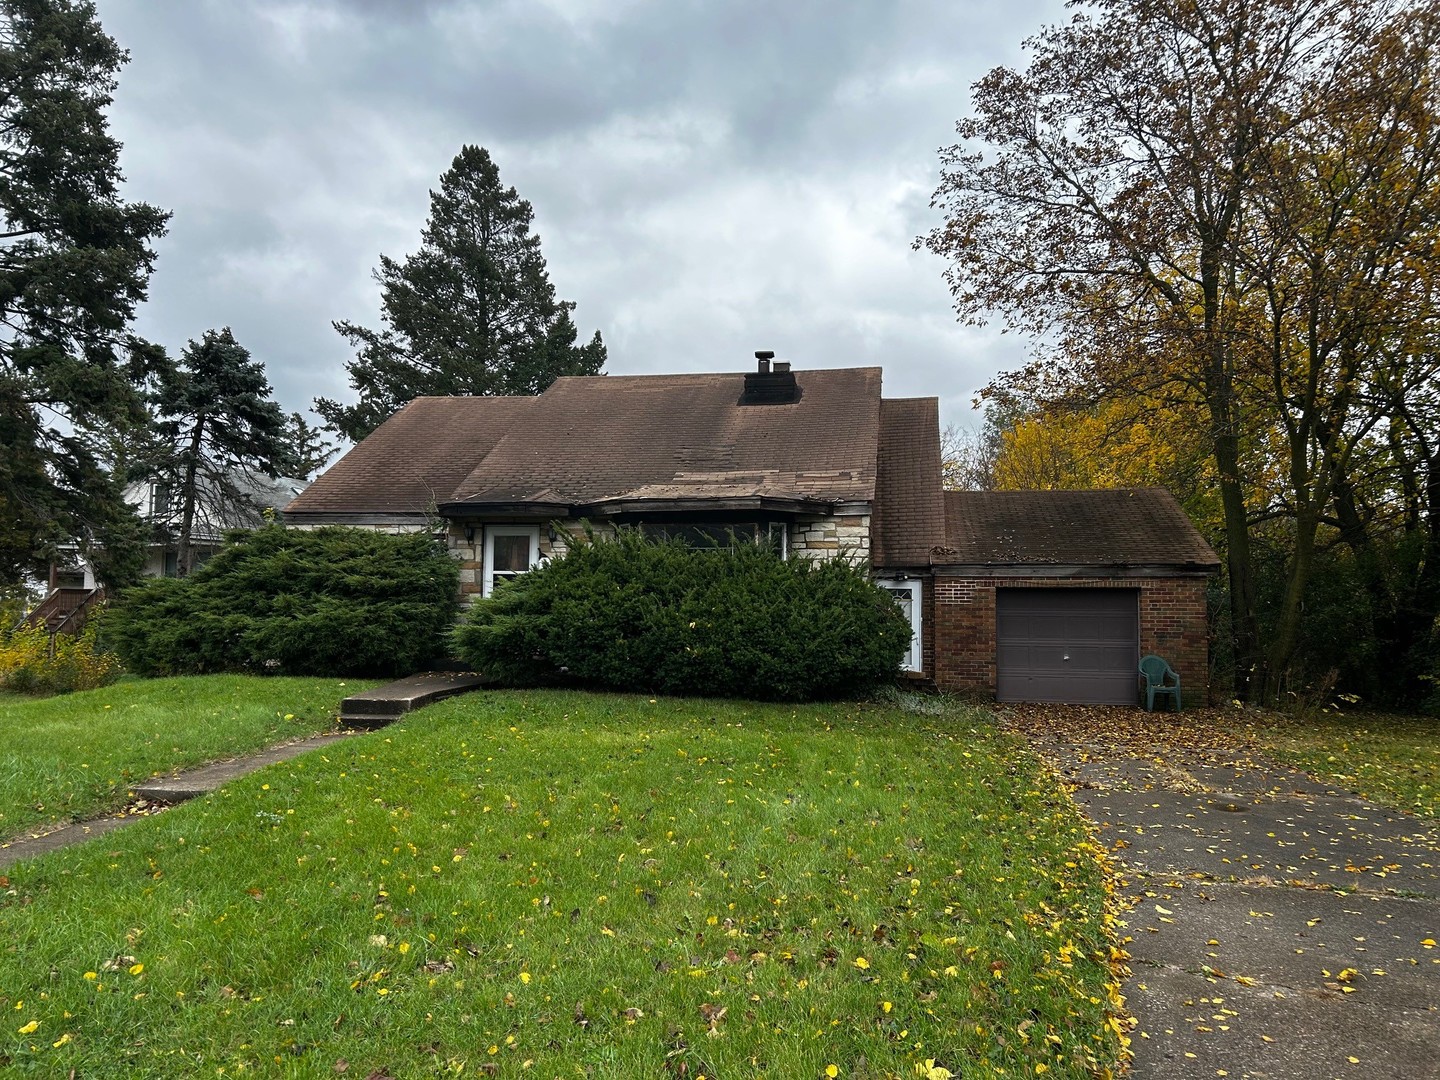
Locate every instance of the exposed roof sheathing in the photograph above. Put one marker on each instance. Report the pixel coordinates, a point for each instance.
(1131, 527)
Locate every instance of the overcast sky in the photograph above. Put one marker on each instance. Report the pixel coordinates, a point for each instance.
(709, 177)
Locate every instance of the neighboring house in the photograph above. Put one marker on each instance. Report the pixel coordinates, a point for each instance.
(1026, 595)
(216, 512)
(72, 591)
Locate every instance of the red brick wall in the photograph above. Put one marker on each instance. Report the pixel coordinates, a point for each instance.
(1172, 624)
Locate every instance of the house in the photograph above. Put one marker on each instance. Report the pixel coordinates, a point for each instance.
(73, 590)
(218, 509)
(1023, 595)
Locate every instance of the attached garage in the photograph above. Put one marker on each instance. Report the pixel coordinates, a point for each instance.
(1074, 645)
(1056, 595)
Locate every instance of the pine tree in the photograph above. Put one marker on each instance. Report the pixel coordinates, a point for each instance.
(221, 431)
(74, 261)
(472, 312)
(309, 449)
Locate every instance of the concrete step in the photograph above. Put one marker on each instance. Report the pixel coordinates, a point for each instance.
(386, 704)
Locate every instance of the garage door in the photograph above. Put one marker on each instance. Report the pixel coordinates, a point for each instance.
(1071, 645)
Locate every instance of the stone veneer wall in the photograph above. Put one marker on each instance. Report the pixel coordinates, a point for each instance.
(1172, 624)
(471, 554)
(846, 535)
(843, 535)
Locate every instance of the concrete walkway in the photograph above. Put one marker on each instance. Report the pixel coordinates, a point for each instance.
(159, 792)
(1283, 929)
(371, 709)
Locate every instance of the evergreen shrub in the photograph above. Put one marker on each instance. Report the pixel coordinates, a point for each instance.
(328, 601)
(634, 614)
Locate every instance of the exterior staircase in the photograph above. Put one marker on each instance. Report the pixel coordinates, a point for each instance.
(65, 610)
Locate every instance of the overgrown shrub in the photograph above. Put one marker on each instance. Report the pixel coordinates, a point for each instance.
(633, 614)
(31, 664)
(330, 601)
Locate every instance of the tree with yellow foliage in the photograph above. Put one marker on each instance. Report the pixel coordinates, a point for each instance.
(1223, 211)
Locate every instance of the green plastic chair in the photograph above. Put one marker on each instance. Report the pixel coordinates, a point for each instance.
(1156, 672)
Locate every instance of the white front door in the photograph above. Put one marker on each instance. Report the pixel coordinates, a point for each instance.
(510, 550)
(907, 593)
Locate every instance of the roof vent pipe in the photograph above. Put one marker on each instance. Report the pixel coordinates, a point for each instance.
(765, 356)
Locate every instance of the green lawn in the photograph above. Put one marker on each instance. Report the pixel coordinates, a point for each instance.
(570, 885)
(74, 755)
(1390, 759)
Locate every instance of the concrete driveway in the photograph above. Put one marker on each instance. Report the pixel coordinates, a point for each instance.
(1282, 928)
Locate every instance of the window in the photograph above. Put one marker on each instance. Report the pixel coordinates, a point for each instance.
(907, 593)
(719, 534)
(162, 499)
(510, 550)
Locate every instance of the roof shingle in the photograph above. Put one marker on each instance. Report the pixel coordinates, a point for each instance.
(908, 518)
(595, 439)
(614, 440)
(413, 461)
(1132, 526)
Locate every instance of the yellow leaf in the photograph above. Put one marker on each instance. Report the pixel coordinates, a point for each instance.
(135, 969)
(61, 1041)
(28, 1028)
(832, 1071)
(862, 963)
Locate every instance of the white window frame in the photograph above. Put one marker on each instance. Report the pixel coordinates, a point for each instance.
(915, 657)
(487, 583)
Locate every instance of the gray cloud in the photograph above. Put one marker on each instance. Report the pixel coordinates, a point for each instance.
(708, 178)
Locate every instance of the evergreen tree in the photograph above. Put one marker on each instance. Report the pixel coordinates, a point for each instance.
(221, 431)
(309, 449)
(472, 312)
(74, 261)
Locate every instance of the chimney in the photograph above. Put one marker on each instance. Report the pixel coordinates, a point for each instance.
(767, 386)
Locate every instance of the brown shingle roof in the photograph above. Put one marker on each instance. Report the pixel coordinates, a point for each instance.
(666, 437)
(1137, 527)
(414, 460)
(909, 513)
